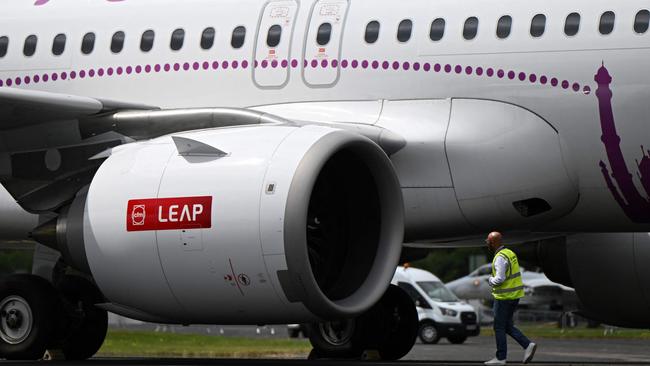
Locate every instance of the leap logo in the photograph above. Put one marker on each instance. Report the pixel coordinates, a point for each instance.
(176, 213)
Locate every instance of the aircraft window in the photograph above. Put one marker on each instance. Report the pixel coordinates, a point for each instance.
(538, 25)
(4, 46)
(207, 38)
(372, 32)
(642, 21)
(58, 45)
(404, 30)
(324, 34)
(146, 42)
(437, 29)
(471, 28)
(178, 37)
(117, 42)
(503, 26)
(572, 24)
(30, 45)
(238, 37)
(274, 36)
(88, 43)
(607, 22)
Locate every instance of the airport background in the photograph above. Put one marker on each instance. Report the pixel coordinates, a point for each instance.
(564, 338)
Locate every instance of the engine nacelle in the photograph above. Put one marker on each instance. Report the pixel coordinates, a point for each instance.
(266, 224)
(609, 272)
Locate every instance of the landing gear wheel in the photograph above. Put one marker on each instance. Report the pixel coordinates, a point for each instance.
(28, 313)
(88, 323)
(457, 339)
(390, 327)
(428, 333)
(402, 324)
(334, 339)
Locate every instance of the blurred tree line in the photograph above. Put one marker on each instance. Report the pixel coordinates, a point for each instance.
(15, 261)
(450, 264)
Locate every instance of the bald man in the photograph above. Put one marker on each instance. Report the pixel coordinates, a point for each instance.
(507, 289)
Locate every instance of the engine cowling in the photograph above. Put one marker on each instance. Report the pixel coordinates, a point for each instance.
(609, 272)
(288, 224)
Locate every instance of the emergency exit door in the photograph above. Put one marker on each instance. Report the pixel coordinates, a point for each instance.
(323, 43)
(273, 43)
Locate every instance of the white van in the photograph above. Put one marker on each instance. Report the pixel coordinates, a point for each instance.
(441, 313)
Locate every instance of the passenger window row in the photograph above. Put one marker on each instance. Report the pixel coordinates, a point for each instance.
(504, 26)
(118, 40)
(323, 35)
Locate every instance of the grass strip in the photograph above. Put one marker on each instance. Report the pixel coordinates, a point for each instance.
(551, 330)
(153, 344)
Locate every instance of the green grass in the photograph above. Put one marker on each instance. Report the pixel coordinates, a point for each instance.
(152, 344)
(120, 343)
(551, 330)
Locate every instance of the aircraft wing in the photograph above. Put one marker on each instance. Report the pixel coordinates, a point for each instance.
(54, 143)
(44, 158)
(19, 108)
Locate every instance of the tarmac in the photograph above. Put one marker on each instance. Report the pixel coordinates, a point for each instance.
(474, 351)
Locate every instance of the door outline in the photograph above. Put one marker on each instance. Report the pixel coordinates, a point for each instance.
(290, 46)
(338, 56)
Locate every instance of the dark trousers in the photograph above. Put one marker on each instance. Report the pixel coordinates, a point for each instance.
(503, 324)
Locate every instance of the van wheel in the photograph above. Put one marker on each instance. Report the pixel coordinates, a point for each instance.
(428, 333)
(457, 339)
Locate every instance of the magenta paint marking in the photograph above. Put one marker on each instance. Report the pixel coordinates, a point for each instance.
(294, 63)
(629, 197)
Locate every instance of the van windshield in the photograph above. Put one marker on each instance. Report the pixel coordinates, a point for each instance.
(437, 291)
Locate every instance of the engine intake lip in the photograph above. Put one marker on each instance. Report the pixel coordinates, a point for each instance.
(391, 226)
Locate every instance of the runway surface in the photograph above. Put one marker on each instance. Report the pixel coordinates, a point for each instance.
(474, 351)
(554, 352)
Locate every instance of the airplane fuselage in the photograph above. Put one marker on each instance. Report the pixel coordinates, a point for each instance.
(552, 75)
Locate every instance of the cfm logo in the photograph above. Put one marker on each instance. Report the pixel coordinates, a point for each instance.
(138, 214)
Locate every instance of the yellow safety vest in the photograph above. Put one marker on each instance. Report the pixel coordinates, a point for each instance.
(512, 288)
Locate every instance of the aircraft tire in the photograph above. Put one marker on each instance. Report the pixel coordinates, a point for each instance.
(390, 328)
(428, 333)
(335, 339)
(403, 325)
(88, 327)
(29, 311)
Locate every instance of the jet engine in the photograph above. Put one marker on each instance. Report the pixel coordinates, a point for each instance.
(257, 224)
(609, 272)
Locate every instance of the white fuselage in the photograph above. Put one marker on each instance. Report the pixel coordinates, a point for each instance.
(551, 75)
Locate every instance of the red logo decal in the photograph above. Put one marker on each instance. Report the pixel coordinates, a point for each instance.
(169, 214)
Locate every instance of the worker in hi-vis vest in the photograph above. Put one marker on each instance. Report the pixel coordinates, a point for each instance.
(507, 289)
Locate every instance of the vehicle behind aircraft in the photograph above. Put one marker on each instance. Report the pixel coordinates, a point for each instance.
(440, 312)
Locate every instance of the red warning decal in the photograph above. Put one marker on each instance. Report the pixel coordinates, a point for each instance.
(169, 213)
